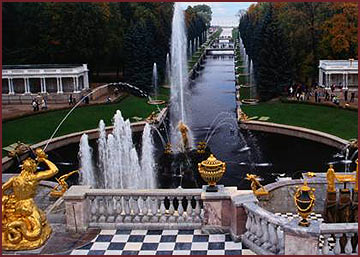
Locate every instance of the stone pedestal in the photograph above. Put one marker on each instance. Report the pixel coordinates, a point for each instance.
(217, 207)
(77, 209)
(223, 210)
(301, 240)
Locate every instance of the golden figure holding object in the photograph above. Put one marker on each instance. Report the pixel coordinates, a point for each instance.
(58, 192)
(211, 171)
(24, 225)
(304, 200)
(184, 130)
(256, 187)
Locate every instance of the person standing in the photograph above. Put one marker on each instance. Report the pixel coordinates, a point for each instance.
(71, 99)
(316, 96)
(352, 98)
(346, 94)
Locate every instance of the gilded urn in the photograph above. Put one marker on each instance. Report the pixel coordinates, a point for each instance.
(304, 200)
(211, 171)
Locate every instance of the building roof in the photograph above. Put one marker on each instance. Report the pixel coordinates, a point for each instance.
(39, 66)
(339, 65)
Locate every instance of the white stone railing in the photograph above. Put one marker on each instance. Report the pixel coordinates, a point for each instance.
(347, 232)
(268, 234)
(133, 209)
(264, 231)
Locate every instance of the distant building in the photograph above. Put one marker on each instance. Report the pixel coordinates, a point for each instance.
(342, 73)
(21, 83)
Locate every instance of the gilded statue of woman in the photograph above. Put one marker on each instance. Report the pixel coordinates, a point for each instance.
(330, 177)
(24, 225)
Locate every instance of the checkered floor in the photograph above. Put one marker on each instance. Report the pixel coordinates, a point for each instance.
(290, 216)
(160, 242)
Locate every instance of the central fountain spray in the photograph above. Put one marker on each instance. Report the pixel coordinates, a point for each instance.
(179, 79)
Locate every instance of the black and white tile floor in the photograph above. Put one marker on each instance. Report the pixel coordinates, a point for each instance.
(161, 242)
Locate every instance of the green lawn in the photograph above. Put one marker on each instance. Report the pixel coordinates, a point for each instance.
(36, 128)
(339, 122)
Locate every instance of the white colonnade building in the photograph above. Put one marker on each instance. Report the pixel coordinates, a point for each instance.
(342, 73)
(20, 83)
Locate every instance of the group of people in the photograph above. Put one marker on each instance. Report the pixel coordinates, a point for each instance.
(72, 100)
(302, 93)
(36, 104)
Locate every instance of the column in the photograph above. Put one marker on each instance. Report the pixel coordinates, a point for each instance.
(41, 86)
(27, 86)
(11, 86)
(320, 77)
(343, 81)
(329, 80)
(60, 86)
(74, 83)
(86, 80)
(347, 80)
(86, 77)
(77, 84)
(44, 84)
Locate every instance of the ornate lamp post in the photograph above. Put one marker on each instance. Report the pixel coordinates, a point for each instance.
(304, 200)
(211, 171)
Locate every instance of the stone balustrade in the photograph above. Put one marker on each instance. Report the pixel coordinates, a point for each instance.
(345, 236)
(229, 210)
(264, 231)
(268, 234)
(133, 209)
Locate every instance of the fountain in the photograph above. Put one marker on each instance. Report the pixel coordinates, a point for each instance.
(167, 72)
(179, 78)
(155, 85)
(119, 164)
(252, 85)
(87, 170)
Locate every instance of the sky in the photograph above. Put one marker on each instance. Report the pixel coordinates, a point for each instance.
(223, 13)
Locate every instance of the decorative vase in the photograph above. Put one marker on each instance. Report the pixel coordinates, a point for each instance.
(211, 171)
(304, 200)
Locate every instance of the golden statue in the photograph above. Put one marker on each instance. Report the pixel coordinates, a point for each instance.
(24, 225)
(256, 187)
(330, 177)
(62, 187)
(184, 134)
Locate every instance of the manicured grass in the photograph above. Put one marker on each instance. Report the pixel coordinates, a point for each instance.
(33, 129)
(339, 122)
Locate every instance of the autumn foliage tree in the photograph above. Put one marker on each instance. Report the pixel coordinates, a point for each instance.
(304, 32)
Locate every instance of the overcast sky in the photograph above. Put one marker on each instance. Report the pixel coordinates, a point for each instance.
(223, 13)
